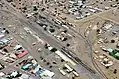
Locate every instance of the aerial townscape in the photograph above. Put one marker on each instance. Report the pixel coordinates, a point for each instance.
(59, 39)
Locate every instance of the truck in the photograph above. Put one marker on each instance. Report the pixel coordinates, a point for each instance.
(62, 72)
(68, 67)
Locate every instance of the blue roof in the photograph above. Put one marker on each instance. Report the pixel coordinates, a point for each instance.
(26, 66)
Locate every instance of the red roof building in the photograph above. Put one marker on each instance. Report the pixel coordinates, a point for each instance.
(21, 54)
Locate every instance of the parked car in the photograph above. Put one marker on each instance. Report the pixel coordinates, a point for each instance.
(1, 66)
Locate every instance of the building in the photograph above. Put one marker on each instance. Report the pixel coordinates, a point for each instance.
(113, 52)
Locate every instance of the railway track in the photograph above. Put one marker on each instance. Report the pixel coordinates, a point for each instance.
(70, 53)
(93, 61)
(80, 62)
(91, 55)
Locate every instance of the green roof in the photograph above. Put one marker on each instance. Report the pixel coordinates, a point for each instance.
(117, 54)
(109, 49)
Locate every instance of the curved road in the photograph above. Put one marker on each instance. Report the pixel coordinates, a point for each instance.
(41, 33)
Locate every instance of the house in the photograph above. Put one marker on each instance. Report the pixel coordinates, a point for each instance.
(21, 54)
